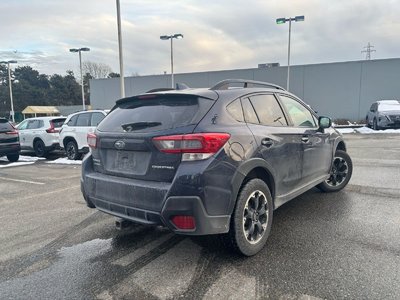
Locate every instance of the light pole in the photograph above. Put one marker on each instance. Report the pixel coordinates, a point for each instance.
(79, 50)
(171, 37)
(121, 60)
(10, 86)
(283, 21)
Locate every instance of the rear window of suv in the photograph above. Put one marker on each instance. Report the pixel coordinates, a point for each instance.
(154, 113)
(5, 125)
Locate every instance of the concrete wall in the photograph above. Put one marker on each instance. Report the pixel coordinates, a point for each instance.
(340, 90)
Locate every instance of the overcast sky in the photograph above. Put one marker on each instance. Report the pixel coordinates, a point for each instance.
(218, 34)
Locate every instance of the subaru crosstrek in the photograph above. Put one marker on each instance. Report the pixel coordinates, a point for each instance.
(212, 161)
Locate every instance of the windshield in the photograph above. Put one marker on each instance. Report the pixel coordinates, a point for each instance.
(389, 107)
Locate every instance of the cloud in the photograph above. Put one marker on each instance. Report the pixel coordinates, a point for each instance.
(217, 34)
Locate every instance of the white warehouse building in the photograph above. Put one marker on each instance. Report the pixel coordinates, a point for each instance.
(341, 90)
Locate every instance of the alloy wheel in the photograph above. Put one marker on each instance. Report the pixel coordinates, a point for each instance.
(338, 172)
(255, 217)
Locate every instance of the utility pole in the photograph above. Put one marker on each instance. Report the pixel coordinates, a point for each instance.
(368, 50)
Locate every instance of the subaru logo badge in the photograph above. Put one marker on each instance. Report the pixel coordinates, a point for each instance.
(119, 145)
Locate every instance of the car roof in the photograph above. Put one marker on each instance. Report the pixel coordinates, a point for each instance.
(388, 102)
(46, 118)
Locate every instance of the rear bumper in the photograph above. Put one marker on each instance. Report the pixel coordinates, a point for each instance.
(174, 206)
(147, 202)
(9, 149)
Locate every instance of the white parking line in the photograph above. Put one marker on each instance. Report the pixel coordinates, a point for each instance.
(19, 180)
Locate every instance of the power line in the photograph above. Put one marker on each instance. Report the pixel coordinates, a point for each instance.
(368, 50)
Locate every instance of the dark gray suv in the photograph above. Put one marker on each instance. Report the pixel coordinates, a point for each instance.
(9, 141)
(212, 161)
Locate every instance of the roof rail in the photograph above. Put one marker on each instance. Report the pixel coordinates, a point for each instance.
(232, 83)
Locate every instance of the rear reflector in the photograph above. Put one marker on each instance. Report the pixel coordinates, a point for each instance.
(184, 222)
(92, 140)
(197, 146)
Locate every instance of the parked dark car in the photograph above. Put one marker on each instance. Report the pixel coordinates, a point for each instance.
(212, 161)
(9, 141)
(384, 114)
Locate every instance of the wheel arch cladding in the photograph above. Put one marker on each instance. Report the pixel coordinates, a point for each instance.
(341, 146)
(254, 168)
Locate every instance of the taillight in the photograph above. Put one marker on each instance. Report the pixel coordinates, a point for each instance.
(92, 140)
(184, 222)
(52, 129)
(14, 132)
(195, 146)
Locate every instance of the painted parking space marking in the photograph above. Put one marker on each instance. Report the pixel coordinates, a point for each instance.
(20, 180)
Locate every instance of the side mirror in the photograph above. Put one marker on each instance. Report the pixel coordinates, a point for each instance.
(324, 122)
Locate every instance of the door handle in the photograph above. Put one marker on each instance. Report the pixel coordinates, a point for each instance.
(305, 139)
(267, 142)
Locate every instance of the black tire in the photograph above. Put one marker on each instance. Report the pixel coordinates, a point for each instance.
(71, 149)
(40, 148)
(375, 125)
(367, 123)
(342, 169)
(239, 238)
(13, 157)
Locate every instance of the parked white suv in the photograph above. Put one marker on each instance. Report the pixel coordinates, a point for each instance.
(73, 134)
(40, 134)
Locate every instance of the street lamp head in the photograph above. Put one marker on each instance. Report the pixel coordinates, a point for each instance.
(73, 50)
(178, 36)
(299, 18)
(281, 21)
(85, 49)
(165, 37)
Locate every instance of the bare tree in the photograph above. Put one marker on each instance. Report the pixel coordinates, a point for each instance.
(96, 70)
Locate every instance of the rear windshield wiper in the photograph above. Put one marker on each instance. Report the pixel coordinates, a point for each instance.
(139, 125)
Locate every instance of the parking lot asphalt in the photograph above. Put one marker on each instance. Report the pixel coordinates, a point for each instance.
(344, 245)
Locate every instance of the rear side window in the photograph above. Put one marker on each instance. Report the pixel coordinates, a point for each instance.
(83, 119)
(5, 126)
(268, 110)
(57, 123)
(156, 113)
(35, 124)
(235, 110)
(96, 118)
(249, 113)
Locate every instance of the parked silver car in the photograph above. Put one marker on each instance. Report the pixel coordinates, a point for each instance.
(384, 114)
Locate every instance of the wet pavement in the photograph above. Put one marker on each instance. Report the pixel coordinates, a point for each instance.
(329, 246)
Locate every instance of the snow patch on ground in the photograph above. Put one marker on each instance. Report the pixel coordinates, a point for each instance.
(17, 164)
(23, 158)
(64, 161)
(366, 130)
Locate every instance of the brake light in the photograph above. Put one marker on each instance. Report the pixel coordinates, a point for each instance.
(92, 140)
(52, 129)
(184, 222)
(14, 132)
(195, 146)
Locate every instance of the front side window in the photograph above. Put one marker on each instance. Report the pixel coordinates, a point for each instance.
(72, 121)
(268, 110)
(299, 114)
(22, 125)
